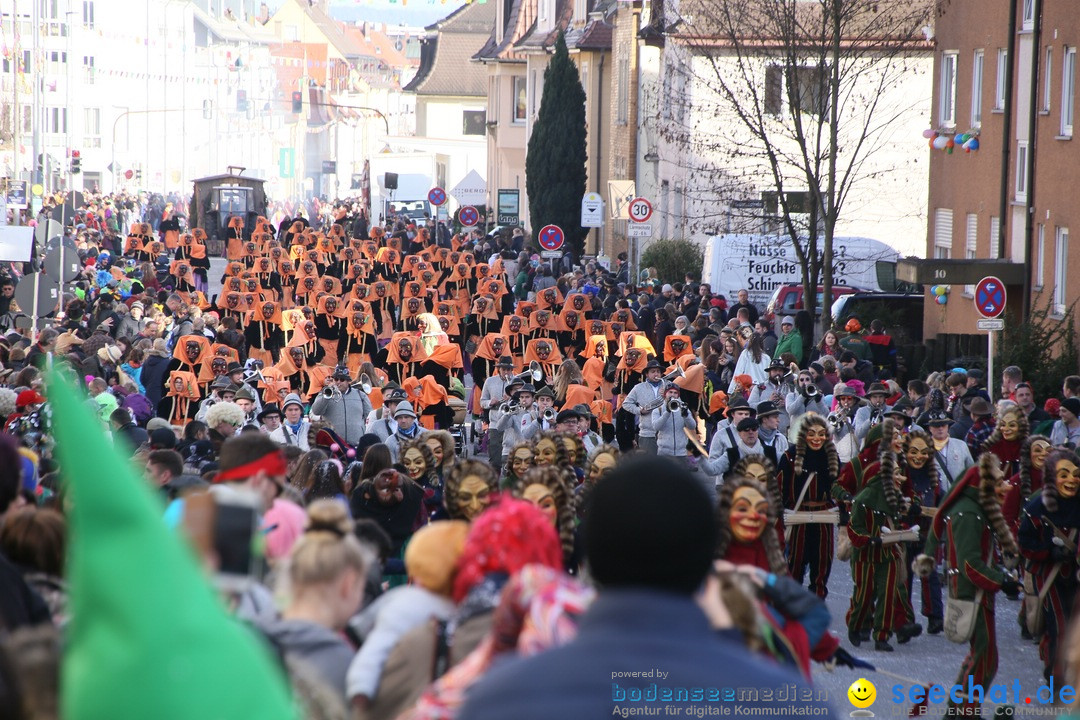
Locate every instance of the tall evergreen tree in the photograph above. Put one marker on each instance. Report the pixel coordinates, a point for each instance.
(555, 162)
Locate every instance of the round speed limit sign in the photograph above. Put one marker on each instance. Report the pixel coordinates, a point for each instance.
(640, 210)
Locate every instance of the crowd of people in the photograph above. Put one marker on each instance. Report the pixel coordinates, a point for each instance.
(406, 457)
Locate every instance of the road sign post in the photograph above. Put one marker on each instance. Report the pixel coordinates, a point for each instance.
(468, 216)
(592, 211)
(990, 298)
(436, 196)
(551, 240)
(640, 210)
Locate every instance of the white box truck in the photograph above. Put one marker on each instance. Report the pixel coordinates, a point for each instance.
(761, 263)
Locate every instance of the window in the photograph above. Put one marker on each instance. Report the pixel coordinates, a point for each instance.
(519, 97)
(92, 127)
(56, 63)
(622, 99)
(1029, 15)
(1048, 65)
(999, 87)
(1061, 269)
(473, 122)
(88, 14)
(1021, 170)
(1068, 90)
(1040, 257)
(947, 91)
(88, 69)
(976, 88)
(995, 240)
(805, 87)
(774, 90)
(292, 33)
(970, 245)
(55, 120)
(943, 219)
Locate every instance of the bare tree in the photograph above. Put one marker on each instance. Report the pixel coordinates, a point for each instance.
(796, 98)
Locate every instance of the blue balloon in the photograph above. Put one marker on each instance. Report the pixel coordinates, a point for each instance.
(942, 299)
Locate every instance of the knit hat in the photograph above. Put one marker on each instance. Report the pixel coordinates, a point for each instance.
(506, 537)
(121, 658)
(788, 320)
(433, 552)
(292, 399)
(649, 525)
(28, 397)
(1071, 404)
(163, 439)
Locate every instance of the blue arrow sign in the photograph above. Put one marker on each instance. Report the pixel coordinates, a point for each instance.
(551, 237)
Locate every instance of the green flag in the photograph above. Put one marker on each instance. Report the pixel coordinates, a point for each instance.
(148, 636)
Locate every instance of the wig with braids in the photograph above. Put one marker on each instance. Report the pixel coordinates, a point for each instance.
(599, 450)
(431, 473)
(810, 420)
(1050, 494)
(1025, 464)
(989, 478)
(887, 465)
(456, 475)
(573, 437)
(509, 479)
(931, 466)
(1023, 428)
(777, 563)
(552, 479)
(772, 482)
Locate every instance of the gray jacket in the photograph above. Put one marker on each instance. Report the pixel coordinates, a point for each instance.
(670, 438)
(346, 412)
(862, 420)
(383, 426)
(643, 395)
(322, 648)
(955, 457)
(516, 426)
(798, 404)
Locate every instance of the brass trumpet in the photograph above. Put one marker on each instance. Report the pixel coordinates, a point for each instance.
(674, 405)
(535, 373)
(364, 384)
(549, 414)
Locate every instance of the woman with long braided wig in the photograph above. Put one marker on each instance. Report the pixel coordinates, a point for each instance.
(519, 460)
(807, 473)
(471, 486)
(545, 487)
(1007, 439)
(1028, 480)
(877, 566)
(1049, 528)
(970, 528)
(922, 475)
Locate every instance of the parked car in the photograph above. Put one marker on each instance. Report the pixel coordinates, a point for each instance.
(902, 313)
(788, 300)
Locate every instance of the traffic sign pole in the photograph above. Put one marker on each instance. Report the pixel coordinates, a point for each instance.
(990, 300)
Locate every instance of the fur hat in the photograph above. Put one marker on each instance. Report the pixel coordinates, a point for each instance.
(227, 412)
(833, 459)
(433, 552)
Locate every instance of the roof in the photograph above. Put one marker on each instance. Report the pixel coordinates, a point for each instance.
(231, 30)
(332, 29)
(538, 41)
(377, 44)
(445, 54)
(597, 35)
(519, 21)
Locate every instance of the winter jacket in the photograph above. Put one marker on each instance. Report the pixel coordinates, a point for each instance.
(285, 436)
(322, 648)
(670, 438)
(641, 396)
(383, 624)
(153, 377)
(346, 413)
(792, 343)
(968, 543)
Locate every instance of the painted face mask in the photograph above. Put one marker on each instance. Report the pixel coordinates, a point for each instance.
(405, 350)
(578, 302)
(191, 349)
(413, 460)
(543, 350)
(543, 499)
(497, 345)
(473, 496)
(1039, 450)
(749, 511)
(571, 320)
(515, 324)
(414, 305)
(816, 436)
(388, 488)
(918, 453)
(601, 465)
(1067, 478)
(546, 452)
(632, 357)
(1010, 426)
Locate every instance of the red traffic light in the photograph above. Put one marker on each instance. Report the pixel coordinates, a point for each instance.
(75, 154)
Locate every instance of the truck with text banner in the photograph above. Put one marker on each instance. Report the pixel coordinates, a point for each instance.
(762, 263)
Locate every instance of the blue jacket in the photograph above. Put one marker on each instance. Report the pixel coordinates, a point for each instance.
(628, 631)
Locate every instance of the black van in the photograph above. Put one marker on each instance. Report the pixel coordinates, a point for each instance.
(902, 313)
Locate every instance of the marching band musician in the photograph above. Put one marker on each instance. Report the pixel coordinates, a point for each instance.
(775, 390)
(873, 411)
(642, 400)
(492, 395)
(344, 407)
(514, 417)
(841, 422)
(805, 397)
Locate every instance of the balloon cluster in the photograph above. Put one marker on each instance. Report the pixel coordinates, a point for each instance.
(350, 453)
(941, 293)
(968, 141)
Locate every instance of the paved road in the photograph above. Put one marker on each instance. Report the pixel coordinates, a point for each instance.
(928, 659)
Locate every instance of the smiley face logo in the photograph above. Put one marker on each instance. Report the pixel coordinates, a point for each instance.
(862, 693)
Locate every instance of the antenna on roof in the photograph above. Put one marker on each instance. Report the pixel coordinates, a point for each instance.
(236, 170)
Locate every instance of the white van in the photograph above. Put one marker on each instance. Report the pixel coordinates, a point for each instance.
(762, 263)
